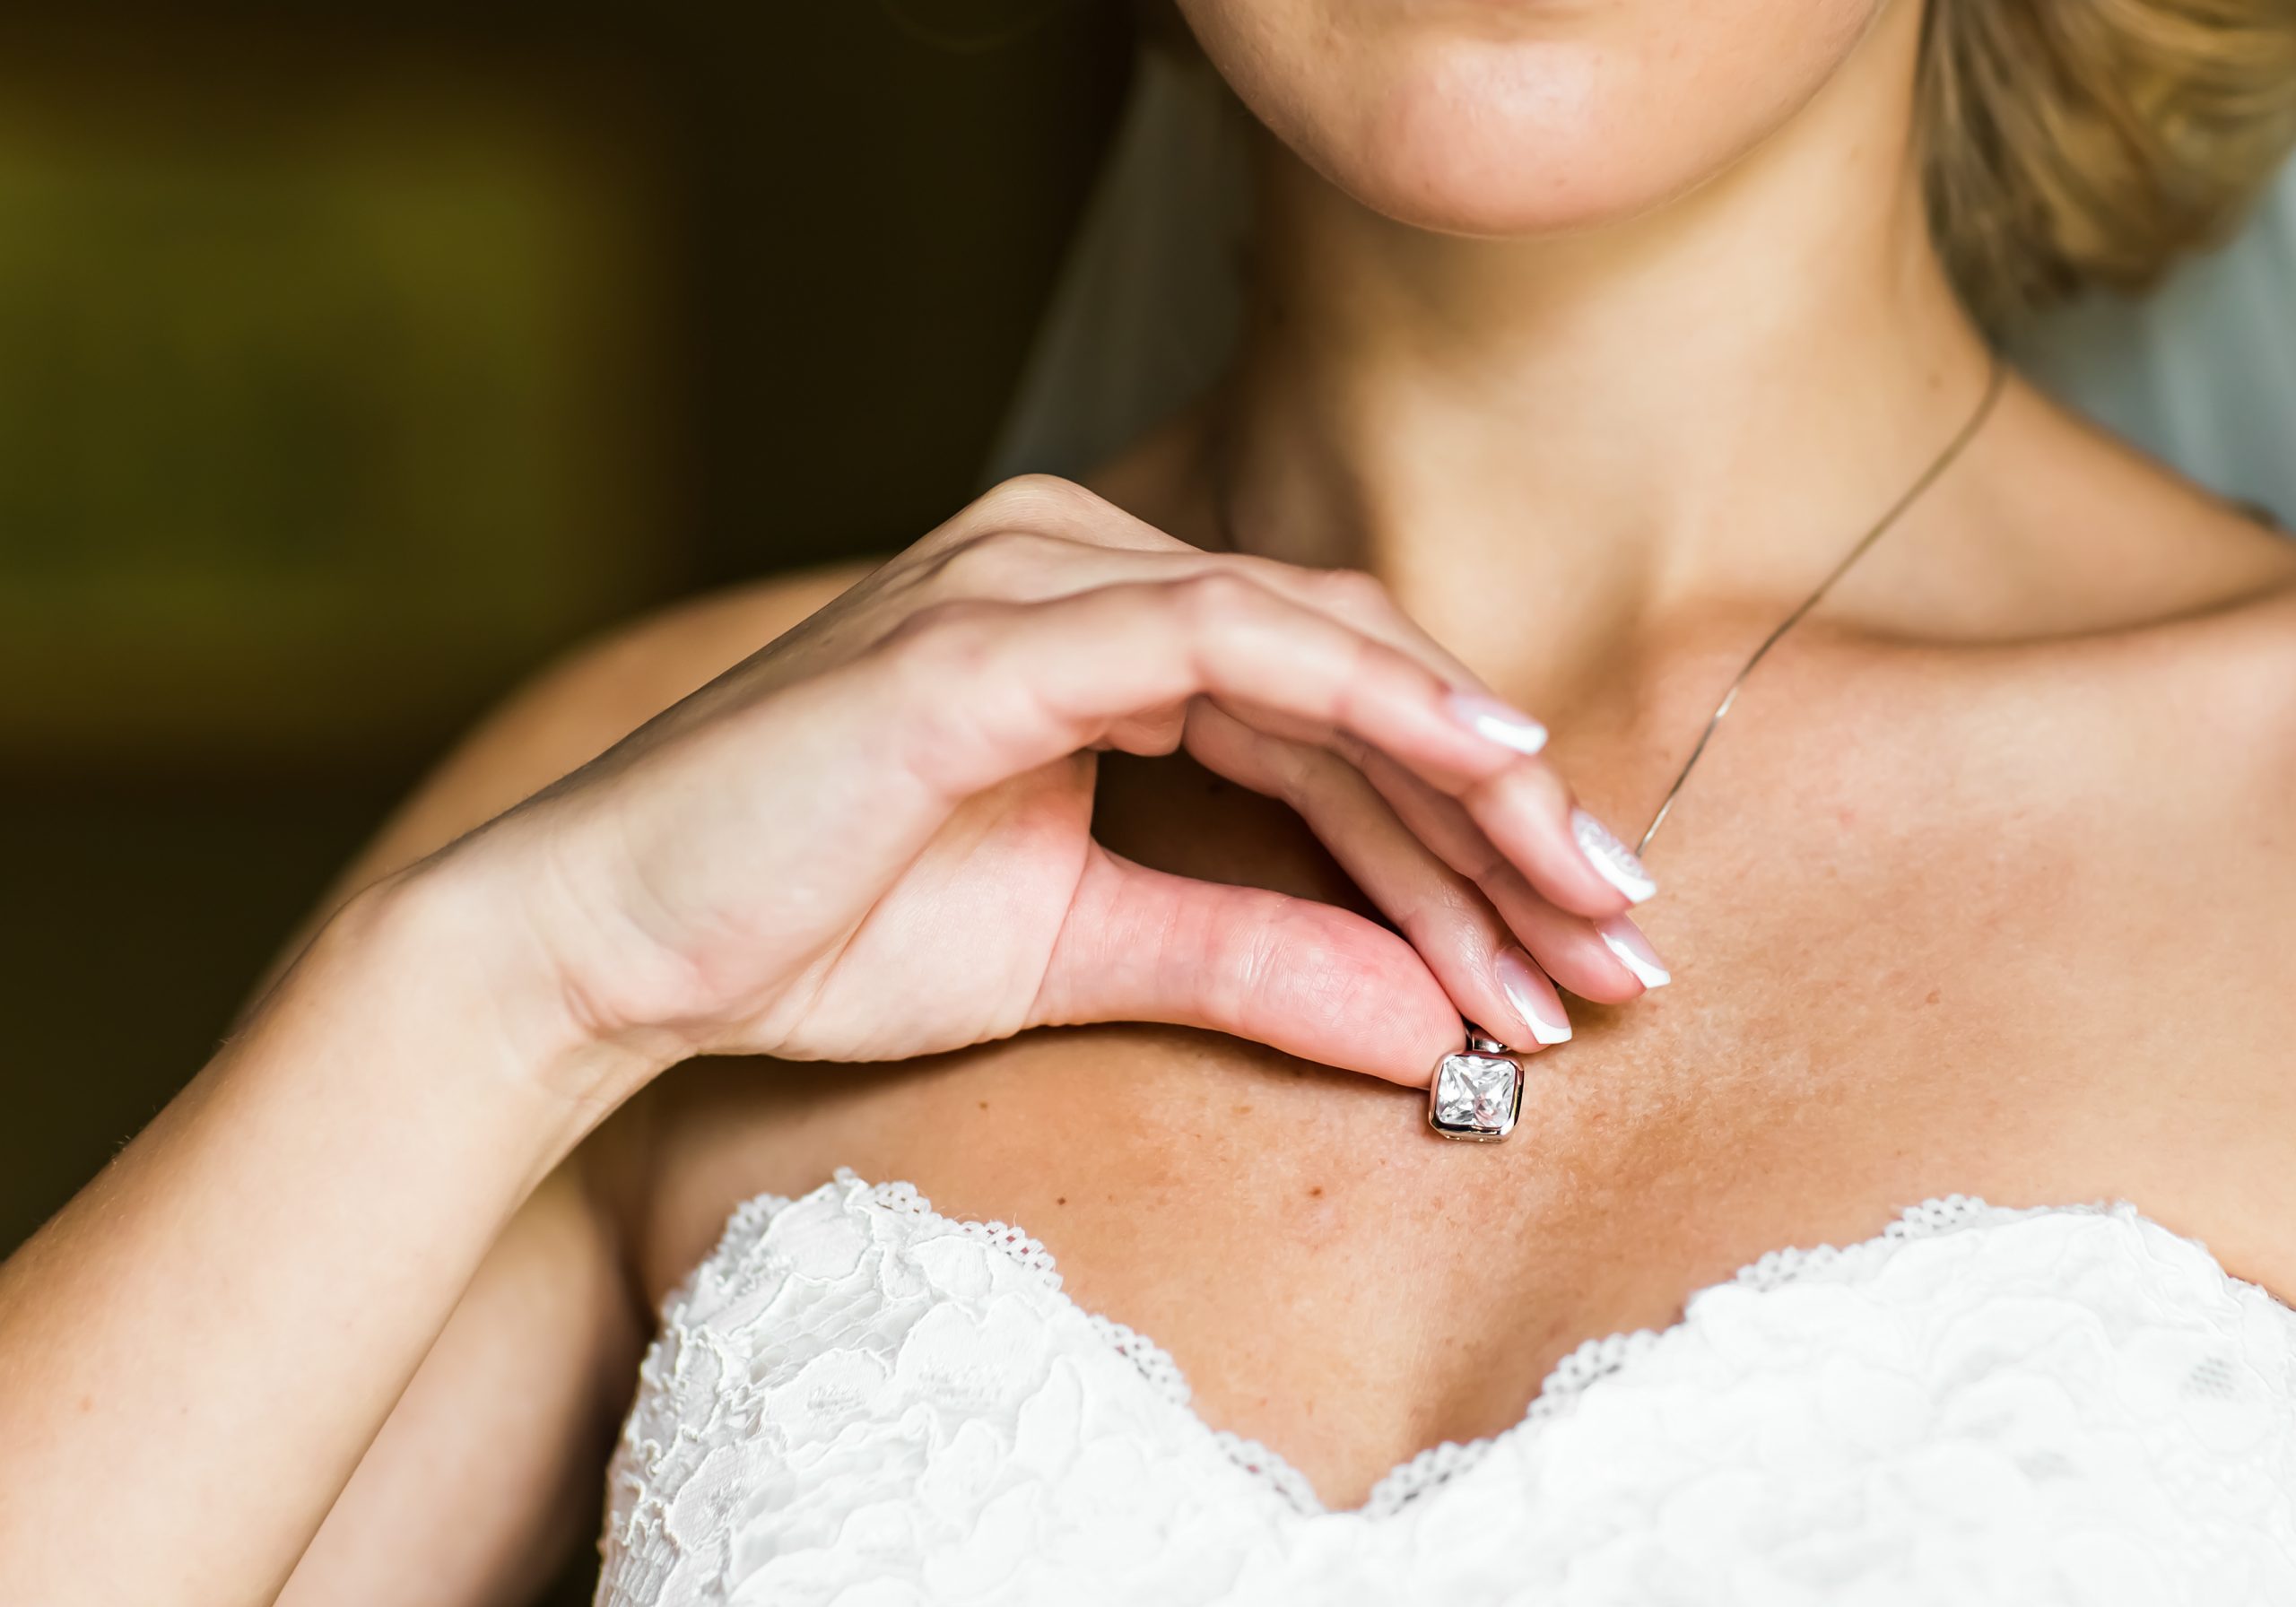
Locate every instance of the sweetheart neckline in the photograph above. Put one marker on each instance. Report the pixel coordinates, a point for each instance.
(1584, 1365)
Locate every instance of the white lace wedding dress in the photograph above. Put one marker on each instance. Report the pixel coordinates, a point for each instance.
(858, 1400)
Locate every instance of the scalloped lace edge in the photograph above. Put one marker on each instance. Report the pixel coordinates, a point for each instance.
(1437, 1464)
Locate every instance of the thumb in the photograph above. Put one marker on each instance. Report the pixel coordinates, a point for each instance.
(1304, 977)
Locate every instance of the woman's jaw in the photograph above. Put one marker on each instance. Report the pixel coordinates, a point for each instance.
(1504, 118)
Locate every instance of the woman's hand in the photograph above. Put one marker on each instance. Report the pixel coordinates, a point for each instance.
(871, 840)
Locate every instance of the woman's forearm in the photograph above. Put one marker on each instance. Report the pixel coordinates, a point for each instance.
(195, 1355)
(195, 1352)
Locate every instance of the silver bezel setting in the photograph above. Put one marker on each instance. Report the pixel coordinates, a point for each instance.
(1484, 1049)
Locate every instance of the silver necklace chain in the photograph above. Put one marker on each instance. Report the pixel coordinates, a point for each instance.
(1995, 375)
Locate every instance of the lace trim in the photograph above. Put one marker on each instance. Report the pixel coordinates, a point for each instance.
(1597, 1358)
(903, 1199)
(1439, 1464)
(1155, 1363)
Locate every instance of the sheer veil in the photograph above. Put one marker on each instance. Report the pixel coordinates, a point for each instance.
(1148, 304)
(2202, 372)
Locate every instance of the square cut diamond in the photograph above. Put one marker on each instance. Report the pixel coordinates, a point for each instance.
(1475, 1096)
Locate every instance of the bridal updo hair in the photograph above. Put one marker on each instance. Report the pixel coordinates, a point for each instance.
(2074, 142)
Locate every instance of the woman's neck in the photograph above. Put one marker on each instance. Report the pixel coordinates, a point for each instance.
(1698, 408)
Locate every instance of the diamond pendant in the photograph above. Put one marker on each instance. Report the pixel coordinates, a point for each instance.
(1476, 1094)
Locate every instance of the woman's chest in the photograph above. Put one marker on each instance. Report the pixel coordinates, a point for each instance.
(1877, 1018)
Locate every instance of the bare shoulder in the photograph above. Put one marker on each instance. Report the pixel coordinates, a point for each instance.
(2164, 614)
(2180, 669)
(2185, 735)
(2143, 709)
(2129, 738)
(2211, 905)
(2213, 688)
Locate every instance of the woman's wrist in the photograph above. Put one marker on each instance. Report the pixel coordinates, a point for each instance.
(439, 941)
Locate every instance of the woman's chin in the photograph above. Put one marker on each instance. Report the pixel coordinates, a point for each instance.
(1528, 132)
(1506, 185)
(1509, 195)
(1508, 149)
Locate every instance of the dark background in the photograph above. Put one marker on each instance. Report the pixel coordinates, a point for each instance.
(357, 358)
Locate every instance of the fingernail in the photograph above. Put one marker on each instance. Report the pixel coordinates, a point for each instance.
(1613, 860)
(1534, 1006)
(1625, 939)
(1497, 722)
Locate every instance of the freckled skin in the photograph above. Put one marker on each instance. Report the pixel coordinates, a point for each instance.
(1932, 904)
(1879, 1025)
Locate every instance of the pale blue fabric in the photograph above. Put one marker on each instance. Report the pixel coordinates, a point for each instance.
(2202, 372)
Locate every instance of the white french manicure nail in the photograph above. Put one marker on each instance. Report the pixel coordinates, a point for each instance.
(1625, 939)
(1613, 860)
(1497, 722)
(1534, 1006)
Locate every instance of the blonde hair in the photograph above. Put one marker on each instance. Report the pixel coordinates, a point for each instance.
(2067, 144)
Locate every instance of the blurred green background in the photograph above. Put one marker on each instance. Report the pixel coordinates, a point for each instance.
(354, 359)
